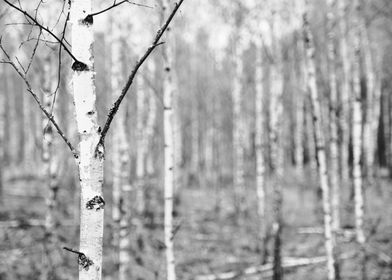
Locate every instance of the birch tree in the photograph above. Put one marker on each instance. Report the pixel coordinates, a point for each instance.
(169, 149)
(275, 135)
(320, 144)
(344, 91)
(358, 133)
(90, 153)
(121, 159)
(49, 149)
(91, 158)
(333, 117)
(238, 123)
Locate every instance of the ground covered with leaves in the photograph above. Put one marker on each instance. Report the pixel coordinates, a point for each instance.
(211, 240)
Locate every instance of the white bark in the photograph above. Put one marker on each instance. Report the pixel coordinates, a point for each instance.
(260, 141)
(276, 133)
(344, 92)
(333, 121)
(372, 105)
(151, 122)
(141, 140)
(169, 167)
(320, 146)
(357, 129)
(2, 131)
(91, 158)
(238, 123)
(121, 158)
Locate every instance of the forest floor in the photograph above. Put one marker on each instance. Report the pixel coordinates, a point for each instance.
(211, 239)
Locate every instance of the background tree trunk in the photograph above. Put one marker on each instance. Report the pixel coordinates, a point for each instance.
(320, 146)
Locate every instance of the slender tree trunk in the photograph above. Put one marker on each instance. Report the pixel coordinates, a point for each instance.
(91, 158)
(372, 102)
(333, 121)
(238, 124)
(49, 162)
(277, 150)
(121, 157)
(2, 131)
(357, 135)
(320, 147)
(169, 167)
(195, 142)
(141, 145)
(299, 119)
(260, 147)
(151, 121)
(344, 94)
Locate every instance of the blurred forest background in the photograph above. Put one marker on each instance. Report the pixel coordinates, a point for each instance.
(281, 128)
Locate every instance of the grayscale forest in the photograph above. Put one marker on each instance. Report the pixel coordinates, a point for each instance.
(196, 139)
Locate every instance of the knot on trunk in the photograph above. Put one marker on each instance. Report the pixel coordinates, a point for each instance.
(79, 66)
(88, 20)
(84, 262)
(96, 203)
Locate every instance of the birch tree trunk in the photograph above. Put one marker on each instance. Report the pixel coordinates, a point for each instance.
(151, 121)
(320, 145)
(91, 158)
(299, 107)
(333, 121)
(357, 135)
(2, 131)
(169, 168)
(238, 124)
(141, 145)
(277, 150)
(260, 146)
(49, 162)
(344, 93)
(372, 105)
(121, 158)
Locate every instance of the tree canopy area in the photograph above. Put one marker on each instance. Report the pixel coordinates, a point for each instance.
(200, 140)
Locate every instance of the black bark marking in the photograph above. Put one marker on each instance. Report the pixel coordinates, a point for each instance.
(79, 66)
(84, 262)
(96, 203)
(88, 20)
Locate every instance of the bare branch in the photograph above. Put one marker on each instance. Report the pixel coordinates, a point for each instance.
(34, 95)
(39, 25)
(118, 4)
(155, 43)
(34, 51)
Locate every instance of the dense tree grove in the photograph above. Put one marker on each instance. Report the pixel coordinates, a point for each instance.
(172, 139)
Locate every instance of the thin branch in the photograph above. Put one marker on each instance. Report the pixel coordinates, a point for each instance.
(34, 51)
(118, 4)
(34, 95)
(29, 17)
(155, 43)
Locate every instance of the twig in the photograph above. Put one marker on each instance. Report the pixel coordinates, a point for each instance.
(117, 103)
(29, 17)
(118, 4)
(34, 95)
